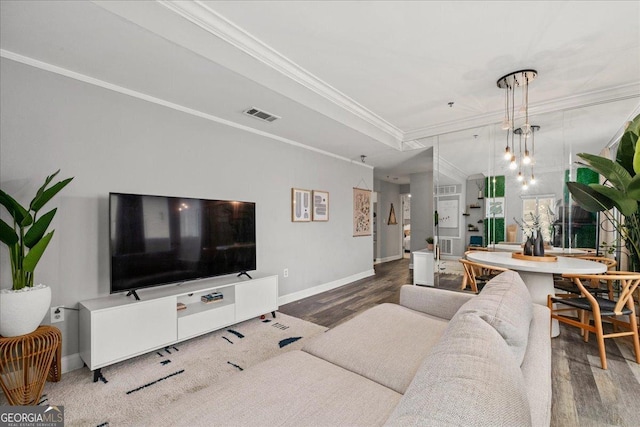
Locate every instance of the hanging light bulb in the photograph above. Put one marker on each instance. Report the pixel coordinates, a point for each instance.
(532, 181)
(507, 153)
(513, 165)
(525, 185)
(520, 177)
(526, 159)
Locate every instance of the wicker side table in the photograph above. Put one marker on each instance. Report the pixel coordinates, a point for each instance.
(27, 362)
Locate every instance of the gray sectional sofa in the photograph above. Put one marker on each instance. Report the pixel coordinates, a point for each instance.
(439, 358)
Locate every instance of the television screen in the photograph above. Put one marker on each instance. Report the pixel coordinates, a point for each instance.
(157, 240)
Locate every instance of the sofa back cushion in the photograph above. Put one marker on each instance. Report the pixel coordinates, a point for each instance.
(505, 304)
(469, 378)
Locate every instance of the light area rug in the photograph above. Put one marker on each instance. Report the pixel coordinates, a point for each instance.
(145, 384)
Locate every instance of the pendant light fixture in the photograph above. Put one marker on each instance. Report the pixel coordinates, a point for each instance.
(510, 82)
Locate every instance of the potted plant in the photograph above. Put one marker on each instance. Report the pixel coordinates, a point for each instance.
(23, 307)
(620, 190)
(430, 243)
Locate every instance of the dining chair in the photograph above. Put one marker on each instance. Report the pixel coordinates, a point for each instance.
(476, 275)
(594, 286)
(598, 308)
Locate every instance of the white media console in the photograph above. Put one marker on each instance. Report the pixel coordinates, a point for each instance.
(117, 327)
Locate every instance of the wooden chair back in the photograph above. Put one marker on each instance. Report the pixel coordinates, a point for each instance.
(474, 270)
(629, 283)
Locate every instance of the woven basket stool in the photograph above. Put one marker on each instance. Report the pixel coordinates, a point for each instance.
(27, 362)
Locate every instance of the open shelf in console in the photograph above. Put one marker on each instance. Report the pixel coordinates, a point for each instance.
(195, 305)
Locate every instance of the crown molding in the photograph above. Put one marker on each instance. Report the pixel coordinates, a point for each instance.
(583, 100)
(216, 24)
(448, 169)
(142, 96)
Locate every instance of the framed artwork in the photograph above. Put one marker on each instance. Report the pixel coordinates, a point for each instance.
(495, 207)
(448, 213)
(361, 212)
(320, 206)
(300, 205)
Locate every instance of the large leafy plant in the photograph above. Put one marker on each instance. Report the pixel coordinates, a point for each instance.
(620, 190)
(28, 238)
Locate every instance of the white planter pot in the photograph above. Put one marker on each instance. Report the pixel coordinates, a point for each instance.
(22, 311)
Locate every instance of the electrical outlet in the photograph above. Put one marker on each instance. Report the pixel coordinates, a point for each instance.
(57, 314)
(286, 272)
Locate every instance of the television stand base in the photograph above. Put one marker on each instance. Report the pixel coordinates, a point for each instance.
(97, 375)
(244, 273)
(134, 294)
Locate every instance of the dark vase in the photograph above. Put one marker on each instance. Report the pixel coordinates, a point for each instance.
(528, 246)
(538, 245)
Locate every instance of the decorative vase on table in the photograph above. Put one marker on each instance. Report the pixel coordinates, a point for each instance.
(22, 311)
(528, 246)
(538, 245)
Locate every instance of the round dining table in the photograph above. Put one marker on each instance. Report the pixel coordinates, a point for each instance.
(510, 247)
(538, 275)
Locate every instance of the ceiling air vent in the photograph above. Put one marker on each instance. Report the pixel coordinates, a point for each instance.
(261, 115)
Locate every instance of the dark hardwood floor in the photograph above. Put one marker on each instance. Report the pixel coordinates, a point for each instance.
(583, 394)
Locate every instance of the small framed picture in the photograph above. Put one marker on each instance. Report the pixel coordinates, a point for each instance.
(300, 205)
(320, 206)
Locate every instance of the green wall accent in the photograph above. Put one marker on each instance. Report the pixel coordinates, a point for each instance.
(497, 231)
(494, 189)
(489, 186)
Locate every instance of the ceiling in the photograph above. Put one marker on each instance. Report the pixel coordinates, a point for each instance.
(354, 78)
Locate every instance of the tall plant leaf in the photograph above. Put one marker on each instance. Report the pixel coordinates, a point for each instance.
(614, 172)
(626, 205)
(633, 190)
(588, 198)
(43, 187)
(626, 150)
(46, 195)
(37, 230)
(34, 255)
(17, 212)
(636, 159)
(7, 235)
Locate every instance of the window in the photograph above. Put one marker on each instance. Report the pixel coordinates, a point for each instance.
(543, 208)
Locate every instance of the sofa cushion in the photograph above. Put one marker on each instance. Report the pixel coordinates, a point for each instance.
(505, 303)
(292, 389)
(536, 367)
(386, 344)
(470, 378)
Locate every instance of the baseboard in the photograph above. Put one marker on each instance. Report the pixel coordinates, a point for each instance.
(71, 363)
(285, 299)
(387, 259)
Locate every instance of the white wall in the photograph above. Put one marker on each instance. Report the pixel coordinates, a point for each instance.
(112, 142)
(389, 236)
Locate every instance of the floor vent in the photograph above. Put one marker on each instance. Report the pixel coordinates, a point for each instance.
(445, 246)
(261, 115)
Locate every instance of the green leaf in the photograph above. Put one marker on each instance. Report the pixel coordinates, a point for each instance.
(34, 255)
(612, 171)
(626, 205)
(44, 186)
(17, 212)
(626, 151)
(636, 159)
(46, 195)
(38, 229)
(633, 190)
(634, 126)
(588, 198)
(7, 235)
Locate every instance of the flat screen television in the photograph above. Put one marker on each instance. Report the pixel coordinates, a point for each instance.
(158, 240)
